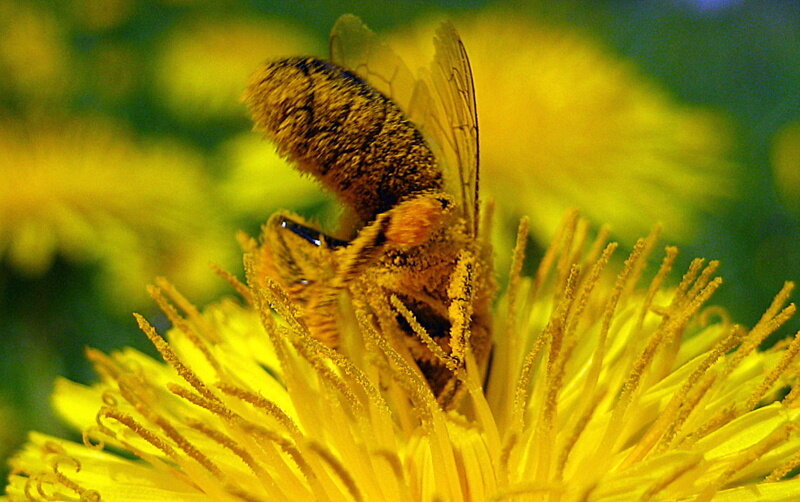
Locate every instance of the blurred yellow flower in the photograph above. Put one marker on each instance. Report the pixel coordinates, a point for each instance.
(34, 54)
(204, 63)
(10, 428)
(257, 180)
(565, 123)
(103, 15)
(596, 392)
(192, 253)
(85, 189)
(786, 165)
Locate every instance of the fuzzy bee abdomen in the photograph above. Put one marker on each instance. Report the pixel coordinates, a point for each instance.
(354, 139)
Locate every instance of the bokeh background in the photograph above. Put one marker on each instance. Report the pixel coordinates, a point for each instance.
(125, 152)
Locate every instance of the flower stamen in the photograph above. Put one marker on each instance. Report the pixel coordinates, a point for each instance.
(262, 403)
(179, 322)
(172, 359)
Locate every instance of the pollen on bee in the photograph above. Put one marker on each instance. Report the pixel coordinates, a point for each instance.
(414, 220)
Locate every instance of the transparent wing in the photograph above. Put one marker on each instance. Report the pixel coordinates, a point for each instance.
(447, 113)
(357, 48)
(441, 102)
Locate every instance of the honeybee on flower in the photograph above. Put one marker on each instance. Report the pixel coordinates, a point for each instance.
(402, 155)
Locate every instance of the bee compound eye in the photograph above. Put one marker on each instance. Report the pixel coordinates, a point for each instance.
(309, 234)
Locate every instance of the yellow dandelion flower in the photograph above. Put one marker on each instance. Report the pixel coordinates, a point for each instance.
(128, 263)
(11, 431)
(597, 391)
(85, 189)
(203, 63)
(258, 181)
(786, 164)
(101, 15)
(565, 123)
(34, 59)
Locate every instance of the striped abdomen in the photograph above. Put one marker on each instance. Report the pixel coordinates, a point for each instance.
(338, 128)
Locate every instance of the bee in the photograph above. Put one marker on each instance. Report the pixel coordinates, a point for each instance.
(401, 153)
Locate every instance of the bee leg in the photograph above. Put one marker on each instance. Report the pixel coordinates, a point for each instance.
(362, 251)
(408, 224)
(313, 268)
(302, 253)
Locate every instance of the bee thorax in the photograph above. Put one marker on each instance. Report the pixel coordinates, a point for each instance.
(413, 221)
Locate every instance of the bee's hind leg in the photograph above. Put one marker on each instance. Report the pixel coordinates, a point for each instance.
(410, 223)
(314, 267)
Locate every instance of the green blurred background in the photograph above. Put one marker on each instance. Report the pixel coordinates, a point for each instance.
(125, 153)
